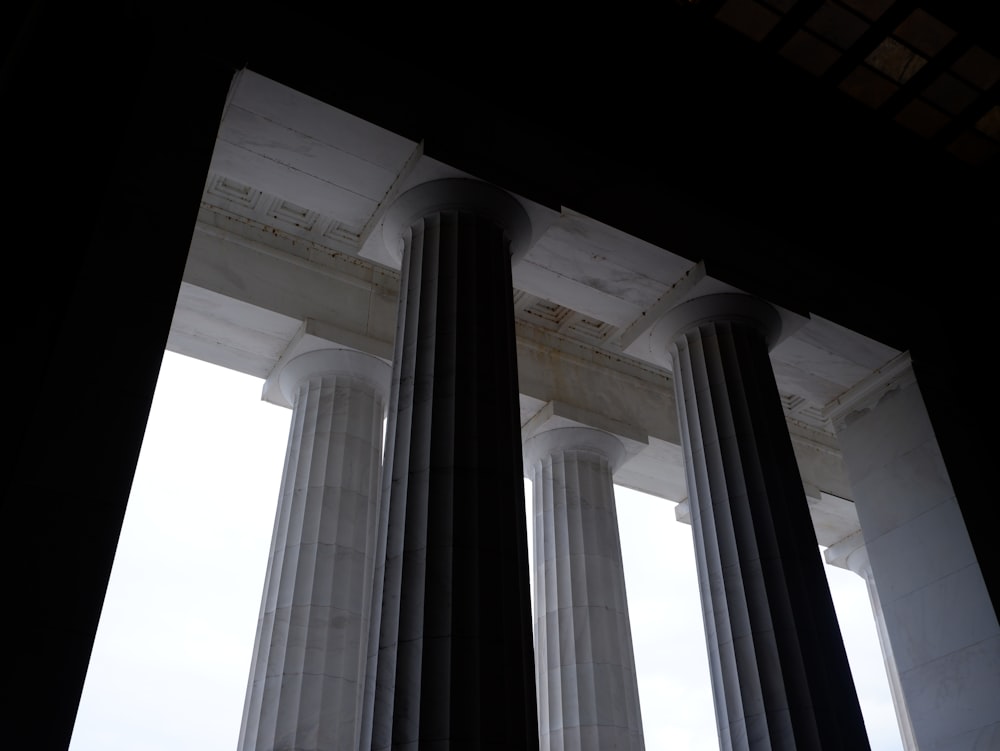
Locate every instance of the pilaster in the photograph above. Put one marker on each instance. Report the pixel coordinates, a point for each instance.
(851, 553)
(939, 620)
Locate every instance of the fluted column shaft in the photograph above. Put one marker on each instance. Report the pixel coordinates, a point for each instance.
(308, 668)
(588, 696)
(780, 674)
(455, 667)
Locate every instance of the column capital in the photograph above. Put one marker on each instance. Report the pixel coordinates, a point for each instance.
(851, 553)
(456, 194)
(339, 361)
(709, 309)
(574, 439)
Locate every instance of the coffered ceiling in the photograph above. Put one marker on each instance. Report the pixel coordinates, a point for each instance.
(929, 68)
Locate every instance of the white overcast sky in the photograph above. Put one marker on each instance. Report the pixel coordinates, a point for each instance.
(172, 655)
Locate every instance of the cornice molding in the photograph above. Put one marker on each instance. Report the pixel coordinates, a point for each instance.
(866, 394)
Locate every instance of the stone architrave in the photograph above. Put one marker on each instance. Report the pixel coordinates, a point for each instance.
(307, 676)
(588, 696)
(454, 647)
(780, 675)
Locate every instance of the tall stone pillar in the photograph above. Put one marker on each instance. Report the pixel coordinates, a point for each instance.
(588, 696)
(780, 674)
(937, 615)
(455, 666)
(308, 668)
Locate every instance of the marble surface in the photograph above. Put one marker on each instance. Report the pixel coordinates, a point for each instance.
(454, 655)
(305, 687)
(588, 697)
(779, 670)
(319, 158)
(279, 149)
(939, 619)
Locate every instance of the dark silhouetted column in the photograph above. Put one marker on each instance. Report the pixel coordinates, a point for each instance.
(780, 674)
(455, 666)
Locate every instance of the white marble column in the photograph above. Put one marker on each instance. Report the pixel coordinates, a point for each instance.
(455, 668)
(308, 668)
(780, 675)
(852, 553)
(588, 696)
(937, 614)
